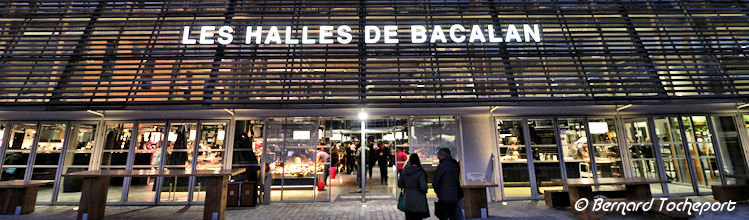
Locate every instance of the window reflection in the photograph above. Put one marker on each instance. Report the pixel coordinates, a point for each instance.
(77, 158)
(18, 150)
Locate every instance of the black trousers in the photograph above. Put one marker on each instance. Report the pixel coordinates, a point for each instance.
(383, 173)
(414, 215)
(370, 167)
(446, 210)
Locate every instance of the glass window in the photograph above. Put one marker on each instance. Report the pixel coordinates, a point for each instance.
(606, 147)
(248, 146)
(291, 151)
(114, 155)
(642, 151)
(210, 153)
(77, 157)
(147, 156)
(513, 158)
(701, 149)
(181, 141)
(545, 154)
(575, 147)
(48, 150)
(672, 150)
(18, 150)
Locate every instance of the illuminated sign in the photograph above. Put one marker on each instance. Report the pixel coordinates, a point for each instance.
(343, 34)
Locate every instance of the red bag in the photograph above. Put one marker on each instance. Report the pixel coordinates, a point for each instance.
(333, 171)
(320, 186)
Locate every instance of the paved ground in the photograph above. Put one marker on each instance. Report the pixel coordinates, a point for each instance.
(374, 210)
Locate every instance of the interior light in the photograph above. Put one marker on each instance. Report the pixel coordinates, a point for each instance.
(363, 115)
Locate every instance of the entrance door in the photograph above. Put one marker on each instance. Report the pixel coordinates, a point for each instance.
(291, 148)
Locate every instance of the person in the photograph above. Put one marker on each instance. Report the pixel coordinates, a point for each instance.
(401, 158)
(414, 185)
(323, 157)
(370, 159)
(351, 158)
(446, 185)
(383, 159)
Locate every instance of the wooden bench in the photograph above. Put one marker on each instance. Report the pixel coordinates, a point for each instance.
(612, 193)
(561, 198)
(674, 213)
(734, 192)
(18, 197)
(557, 198)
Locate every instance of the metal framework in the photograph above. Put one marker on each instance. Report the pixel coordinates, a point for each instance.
(112, 54)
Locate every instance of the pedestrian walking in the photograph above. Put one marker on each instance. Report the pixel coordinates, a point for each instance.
(414, 185)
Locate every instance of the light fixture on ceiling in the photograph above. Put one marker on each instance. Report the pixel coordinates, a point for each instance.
(623, 107)
(742, 106)
(100, 114)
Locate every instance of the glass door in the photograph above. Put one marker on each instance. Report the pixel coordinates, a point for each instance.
(608, 159)
(642, 151)
(18, 151)
(545, 155)
(675, 162)
(77, 157)
(573, 136)
(291, 150)
(178, 155)
(47, 156)
(117, 143)
(700, 147)
(209, 155)
(146, 155)
(516, 181)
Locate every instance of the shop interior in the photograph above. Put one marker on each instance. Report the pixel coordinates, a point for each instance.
(291, 147)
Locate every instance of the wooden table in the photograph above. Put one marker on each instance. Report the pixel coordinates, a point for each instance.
(19, 196)
(638, 189)
(732, 192)
(96, 184)
(474, 198)
(737, 176)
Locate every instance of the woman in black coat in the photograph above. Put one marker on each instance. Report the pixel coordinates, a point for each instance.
(413, 180)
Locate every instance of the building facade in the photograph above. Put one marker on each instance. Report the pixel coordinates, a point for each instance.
(602, 89)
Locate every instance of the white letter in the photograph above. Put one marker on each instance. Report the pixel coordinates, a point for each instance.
(226, 36)
(186, 36)
(438, 34)
(345, 32)
(388, 32)
(325, 33)
(492, 38)
(290, 40)
(512, 33)
(304, 36)
(452, 33)
(476, 34)
(367, 30)
(273, 35)
(418, 34)
(534, 33)
(206, 34)
(250, 34)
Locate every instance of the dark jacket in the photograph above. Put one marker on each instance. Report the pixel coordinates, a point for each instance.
(414, 182)
(384, 159)
(446, 180)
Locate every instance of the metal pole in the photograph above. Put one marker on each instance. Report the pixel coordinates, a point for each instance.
(363, 164)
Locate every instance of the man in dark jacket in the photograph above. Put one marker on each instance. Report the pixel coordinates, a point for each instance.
(446, 185)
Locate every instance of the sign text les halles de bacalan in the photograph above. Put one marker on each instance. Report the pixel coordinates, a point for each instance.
(343, 34)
